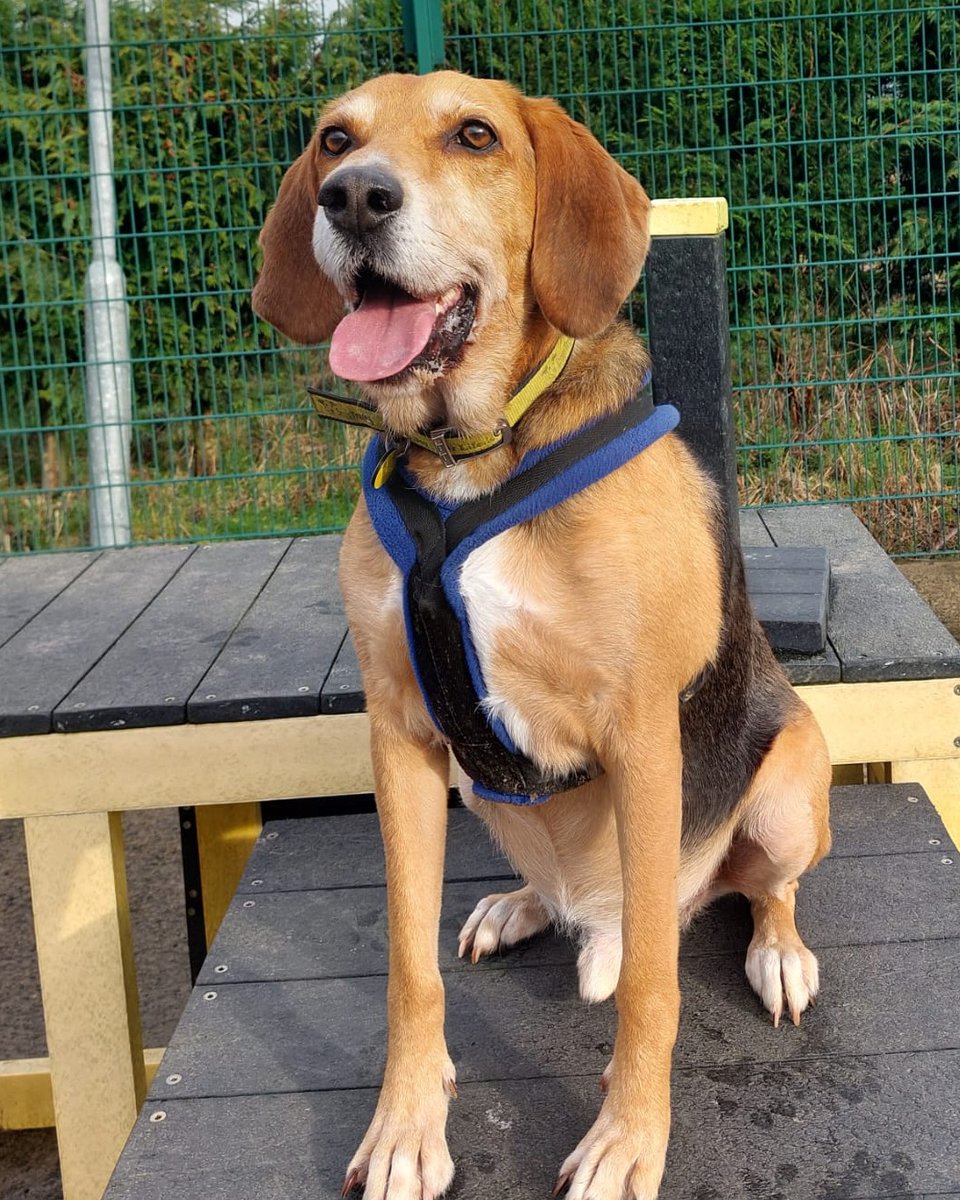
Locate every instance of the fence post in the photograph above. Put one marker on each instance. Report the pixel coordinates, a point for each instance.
(107, 379)
(423, 33)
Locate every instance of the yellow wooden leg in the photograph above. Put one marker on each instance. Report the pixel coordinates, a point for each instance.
(940, 779)
(225, 836)
(89, 988)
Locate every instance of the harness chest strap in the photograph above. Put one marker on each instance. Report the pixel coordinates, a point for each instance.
(430, 542)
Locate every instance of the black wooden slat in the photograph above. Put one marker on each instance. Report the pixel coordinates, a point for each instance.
(856, 1128)
(42, 663)
(30, 582)
(324, 934)
(343, 690)
(345, 851)
(515, 1024)
(276, 660)
(690, 348)
(879, 626)
(149, 674)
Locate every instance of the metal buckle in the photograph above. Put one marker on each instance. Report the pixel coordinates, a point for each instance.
(438, 437)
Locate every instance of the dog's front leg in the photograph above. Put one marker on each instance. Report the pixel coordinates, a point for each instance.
(623, 1153)
(404, 1153)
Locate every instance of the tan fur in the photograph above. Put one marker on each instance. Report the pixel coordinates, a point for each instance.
(619, 606)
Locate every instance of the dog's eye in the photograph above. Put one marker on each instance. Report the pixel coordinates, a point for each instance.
(476, 136)
(334, 141)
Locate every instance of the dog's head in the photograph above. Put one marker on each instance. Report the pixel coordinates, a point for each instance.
(442, 228)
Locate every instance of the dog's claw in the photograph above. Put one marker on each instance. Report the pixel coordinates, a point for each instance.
(450, 1087)
(351, 1181)
(563, 1181)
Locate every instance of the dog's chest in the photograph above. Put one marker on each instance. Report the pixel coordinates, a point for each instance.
(498, 603)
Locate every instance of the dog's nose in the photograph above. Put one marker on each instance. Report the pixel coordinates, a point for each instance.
(359, 199)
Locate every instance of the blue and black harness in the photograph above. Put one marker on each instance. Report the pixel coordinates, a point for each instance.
(430, 541)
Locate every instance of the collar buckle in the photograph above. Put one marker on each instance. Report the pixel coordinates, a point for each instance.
(439, 439)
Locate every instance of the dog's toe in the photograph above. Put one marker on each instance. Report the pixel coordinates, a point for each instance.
(502, 920)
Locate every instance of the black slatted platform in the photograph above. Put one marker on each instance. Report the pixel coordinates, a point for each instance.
(271, 1076)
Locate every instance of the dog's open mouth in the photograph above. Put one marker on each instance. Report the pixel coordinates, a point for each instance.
(390, 331)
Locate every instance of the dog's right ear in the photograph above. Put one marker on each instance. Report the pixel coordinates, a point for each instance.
(292, 293)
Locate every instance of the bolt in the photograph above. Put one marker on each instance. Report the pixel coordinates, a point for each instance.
(249, 904)
(303, 689)
(913, 799)
(209, 995)
(187, 825)
(221, 969)
(956, 690)
(256, 882)
(956, 742)
(934, 842)
(172, 1079)
(947, 862)
(212, 696)
(169, 699)
(160, 1115)
(271, 837)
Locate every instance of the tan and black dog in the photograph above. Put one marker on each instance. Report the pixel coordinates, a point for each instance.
(446, 232)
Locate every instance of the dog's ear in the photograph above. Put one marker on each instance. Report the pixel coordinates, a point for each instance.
(591, 229)
(292, 292)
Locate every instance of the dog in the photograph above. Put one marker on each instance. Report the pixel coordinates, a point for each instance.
(450, 234)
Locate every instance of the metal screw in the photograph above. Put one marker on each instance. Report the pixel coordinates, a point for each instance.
(212, 696)
(192, 893)
(256, 882)
(249, 904)
(221, 969)
(956, 690)
(209, 995)
(303, 689)
(271, 837)
(934, 842)
(947, 862)
(158, 1116)
(191, 912)
(34, 708)
(956, 742)
(80, 704)
(169, 699)
(913, 799)
(171, 1079)
(187, 825)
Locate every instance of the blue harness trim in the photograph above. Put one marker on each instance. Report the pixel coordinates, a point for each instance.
(429, 541)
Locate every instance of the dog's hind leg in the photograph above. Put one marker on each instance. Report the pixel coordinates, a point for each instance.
(783, 832)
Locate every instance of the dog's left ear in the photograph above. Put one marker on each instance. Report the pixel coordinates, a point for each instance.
(292, 293)
(591, 229)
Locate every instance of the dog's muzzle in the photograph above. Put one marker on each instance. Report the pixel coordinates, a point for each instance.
(358, 200)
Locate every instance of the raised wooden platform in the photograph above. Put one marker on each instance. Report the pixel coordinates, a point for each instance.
(271, 1075)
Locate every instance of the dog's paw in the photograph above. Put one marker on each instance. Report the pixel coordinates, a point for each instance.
(784, 975)
(404, 1154)
(617, 1160)
(598, 966)
(502, 920)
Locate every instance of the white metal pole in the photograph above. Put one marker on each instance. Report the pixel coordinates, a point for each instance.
(107, 320)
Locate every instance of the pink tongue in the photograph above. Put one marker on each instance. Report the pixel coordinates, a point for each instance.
(382, 336)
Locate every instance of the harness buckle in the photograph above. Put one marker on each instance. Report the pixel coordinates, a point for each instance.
(439, 439)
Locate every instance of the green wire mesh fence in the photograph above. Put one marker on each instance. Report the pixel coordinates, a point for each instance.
(832, 126)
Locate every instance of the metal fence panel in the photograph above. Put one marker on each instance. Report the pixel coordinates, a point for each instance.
(832, 126)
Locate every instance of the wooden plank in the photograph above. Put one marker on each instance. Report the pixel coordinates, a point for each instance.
(275, 662)
(940, 778)
(149, 674)
(885, 722)
(308, 1035)
(879, 625)
(30, 582)
(343, 689)
(42, 663)
(845, 1127)
(326, 934)
(788, 588)
(26, 1091)
(345, 851)
(163, 767)
(682, 217)
(88, 982)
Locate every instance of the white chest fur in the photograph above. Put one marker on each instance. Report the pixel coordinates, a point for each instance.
(496, 600)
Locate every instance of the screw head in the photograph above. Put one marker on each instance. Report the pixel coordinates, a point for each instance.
(956, 742)
(947, 862)
(956, 690)
(271, 837)
(159, 1115)
(221, 969)
(209, 995)
(172, 1079)
(256, 882)
(249, 904)
(934, 842)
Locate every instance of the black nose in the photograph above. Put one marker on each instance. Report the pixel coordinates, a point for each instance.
(358, 199)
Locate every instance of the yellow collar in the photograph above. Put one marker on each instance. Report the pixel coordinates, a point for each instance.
(451, 447)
